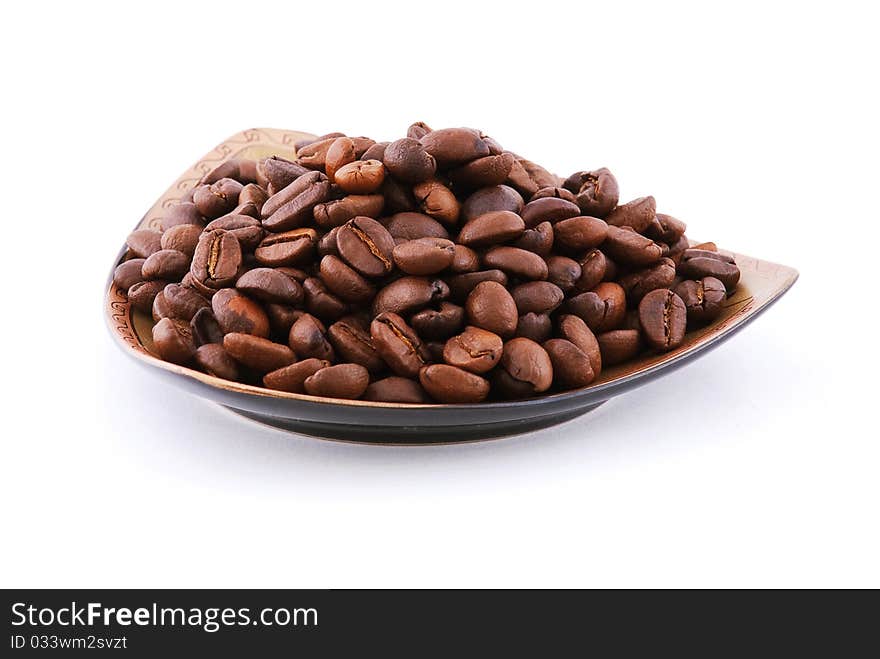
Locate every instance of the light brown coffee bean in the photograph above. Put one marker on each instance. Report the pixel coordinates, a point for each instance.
(347, 381)
(619, 345)
(424, 256)
(525, 368)
(638, 214)
(292, 378)
(491, 307)
(475, 350)
(571, 366)
(491, 228)
(257, 353)
(294, 247)
(173, 341)
(436, 200)
(516, 262)
(395, 389)
(308, 339)
(238, 313)
(450, 384)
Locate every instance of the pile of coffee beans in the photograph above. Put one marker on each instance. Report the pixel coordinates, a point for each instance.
(436, 268)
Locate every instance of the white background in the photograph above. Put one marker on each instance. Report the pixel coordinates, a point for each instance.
(755, 466)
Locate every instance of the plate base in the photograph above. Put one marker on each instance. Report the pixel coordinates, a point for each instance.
(413, 435)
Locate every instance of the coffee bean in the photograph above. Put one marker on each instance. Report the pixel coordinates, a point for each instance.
(270, 285)
(144, 242)
(641, 282)
(637, 214)
(245, 228)
(594, 269)
(409, 294)
(361, 176)
(217, 198)
(407, 160)
(314, 155)
(205, 328)
(575, 330)
(596, 191)
(237, 313)
(168, 264)
(516, 262)
(259, 354)
(464, 260)
(460, 286)
(409, 226)
(354, 344)
(214, 360)
(277, 173)
(142, 294)
(437, 324)
(663, 317)
(226, 169)
(450, 384)
(340, 153)
(344, 281)
(159, 309)
(289, 248)
(493, 198)
(491, 307)
(703, 298)
(322, 303)
(538, 239)
(436, 200)
(619, 345)
(548, 209)
(337, 212)
(375, 152)
(666, 228)
(580, 233)
(418, 130)
(340, 381)
(491, 228)
(564, 272)
(366, 246)
(292, 378)
(424, 256)
(554, 191)
(173, 341)
(217, 259)
(398, 344)
(253, 194)
(292, 207)
(307, 339)
(525, 368)
(183, 212)
(454, 146)
(571, 366)
(700, 263)
(537, 297)
(535, 326)
(182, 303)
(182, 237)
(631, 248)
(482, 172)
(128, 273)
(395, 389)
(602, 309)
(475, 350)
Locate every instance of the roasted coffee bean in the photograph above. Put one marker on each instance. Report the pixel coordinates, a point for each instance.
(217, 198)
(366, 246)
(435, 350)
(571, 366)
(183, 212)
(487, 200)
(619, 346)
(173, 341)
(475, 350)
(277, 173)
(703, 298)
(337, 212)
(238, 313)
(418, 130)
(700, 263)
(525, 368)
(678, 248)
(482, 172)
(407, 161)
(398, 197)
(521, 180)
(409, 226)
(293, 206)
(596, 192)
(144, 242)
(464, 259)
(537, 297)
(564, 272)
(354, 344)
(535, 326)
(168, 264)
(602, 309)
(253, 194)
(270, 285)
(398, 344)
(548, 209)
(409, 294)
(594, 269)
(638, 214)
(182, 302)
(454, 146)
(292, 378)
(438, 324)
(308, 339)
(217, 259)
(424, 256)
(631, 248)
(205, 328)
(245, 228)
(395, 389)
(491, 307)
(460, 286)
(375, 152)
(128, 273)
(540, 176)
(450, 384)
(436, 200)
(491, 228)
(226, 169)
(327, 243)
(340, 381)
(517, 262)
(641, 282)
(142, 294)
(314, 155)
(580, 233)
(340, 153)
(289, 248)
(182, 237)
(247, 171)
(663, 317)
(537, 239)
(575, 330)
(281, 317)
(361, 176)
(259, 354)
(553, 191)
(344, 281)
(159, 309)
(666, 228)
(322, 303)
(214, 360)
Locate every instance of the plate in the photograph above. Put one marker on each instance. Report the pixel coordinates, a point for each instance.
(762, 283)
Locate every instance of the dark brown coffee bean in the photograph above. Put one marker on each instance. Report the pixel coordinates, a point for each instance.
(353, 343)
(464, 259)
(398, 344)
(580, 233)
(638, 214)
(408, 161)
(454, 146)
(482, 172)
(517, 262)
(182, 302)
(700, 263)
(597, 192)
(277, 173)
(554, 191)
(376, 152)
(395, 389)
(160, 310)
(548, 209)
(450, 384)
(564, 272)
(475, 350)
(142, 294)
(534, 326)
(409, 226)
(293, 206)
(289, 248)
(631, 248)
(491, 228)
(491, 307)
(259, 354)
(537, 297)
(618, 346)
(703, 298)
(292, 378)
(344, 281)
(217, 198)
(226, 169)
(438, 324)
(281, 317)
(436, 200)
(663, 317)
(327, 243)
(128, 273)
(487, 200)
(418, 130)
(183, 212)
(460, 286)
(337, 212)
(571, 366)
(307, 339)
(168, 264)
(346, 381)
(217, 259)
(641, 282)
(182, 237)
(525, 368)
(253, 194)
(245, 228)
(409, 294)
(173, 341)
(340, 153)
(575, 330)
(205, 328)
(537, 239)
(594, 269)
(521, 180)
(602, 309)
(424, 256)
(270, 285)
(666, 228)
(237, 313)
(314, 155)
(539, 175)
(366, 246)
(214, 360)
(678, 248)
(361, 176)
(144, 242)
(322, 303)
